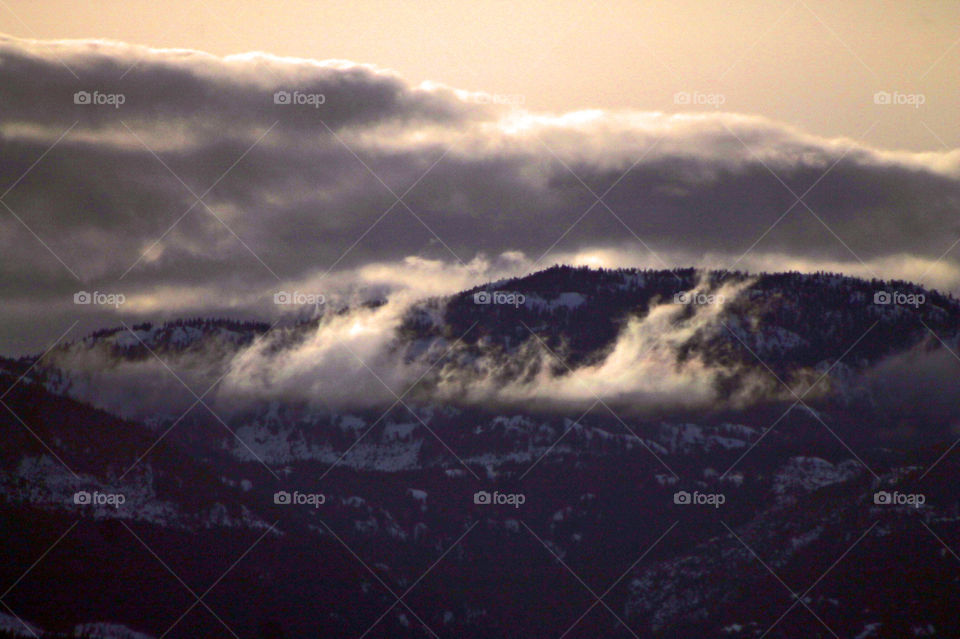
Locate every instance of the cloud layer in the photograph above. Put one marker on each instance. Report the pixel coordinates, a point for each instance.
(200, 194)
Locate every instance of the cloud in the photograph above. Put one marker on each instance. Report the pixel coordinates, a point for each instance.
(914, 392)
(291, 192)
(641, 373)
(358, 359)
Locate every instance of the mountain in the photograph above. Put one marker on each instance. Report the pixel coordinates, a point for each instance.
(701, 451)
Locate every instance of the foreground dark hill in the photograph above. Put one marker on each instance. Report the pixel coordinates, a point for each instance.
(836, 515)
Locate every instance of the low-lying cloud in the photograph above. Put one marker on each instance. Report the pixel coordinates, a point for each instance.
(358, 360)
(642, 372)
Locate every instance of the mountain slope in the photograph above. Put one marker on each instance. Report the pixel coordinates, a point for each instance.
(538, 457)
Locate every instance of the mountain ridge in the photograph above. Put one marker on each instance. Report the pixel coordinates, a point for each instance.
(799, 476)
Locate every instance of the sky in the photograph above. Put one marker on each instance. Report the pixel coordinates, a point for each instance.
(196, 158)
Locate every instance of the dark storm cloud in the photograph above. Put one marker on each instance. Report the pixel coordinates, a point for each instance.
(207, 94)
(292, 187)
